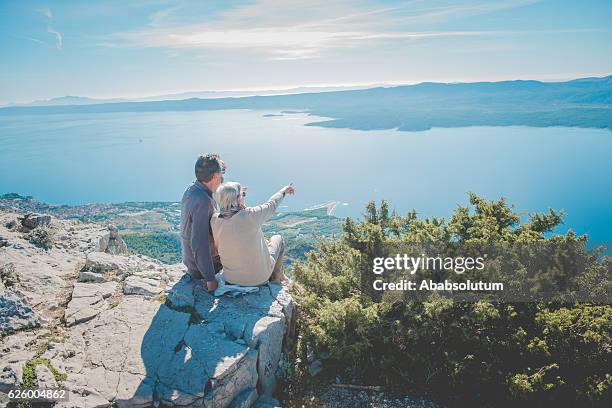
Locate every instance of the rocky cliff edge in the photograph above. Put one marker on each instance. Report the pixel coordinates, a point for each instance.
(114, 329)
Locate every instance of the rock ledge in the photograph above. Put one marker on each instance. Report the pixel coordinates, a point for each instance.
(123, 330)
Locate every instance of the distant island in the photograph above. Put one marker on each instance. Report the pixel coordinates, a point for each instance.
(585, 103)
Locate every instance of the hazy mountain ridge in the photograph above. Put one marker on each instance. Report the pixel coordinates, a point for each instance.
(585, 102)
(66, 100)
(83, 100)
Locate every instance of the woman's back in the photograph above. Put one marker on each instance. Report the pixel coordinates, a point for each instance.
(242, 248)
(241, 244)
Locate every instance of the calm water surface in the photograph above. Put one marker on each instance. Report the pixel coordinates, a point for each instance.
(120, 157)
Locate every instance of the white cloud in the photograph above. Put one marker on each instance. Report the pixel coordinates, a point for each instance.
(46, 11)
(58, 38)
(294, 29)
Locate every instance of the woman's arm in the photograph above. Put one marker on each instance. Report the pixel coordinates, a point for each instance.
(263, 212)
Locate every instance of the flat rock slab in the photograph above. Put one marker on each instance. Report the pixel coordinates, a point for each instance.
(108, 266)
(104, 290)
(181, 295)
(88, 300)
(211, 352)
(139, 285)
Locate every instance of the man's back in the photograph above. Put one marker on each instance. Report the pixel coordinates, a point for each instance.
(196, 210)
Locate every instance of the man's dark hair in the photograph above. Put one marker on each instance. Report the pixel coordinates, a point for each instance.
(206, 166)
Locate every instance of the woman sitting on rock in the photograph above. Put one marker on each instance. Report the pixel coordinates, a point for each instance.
(248, 258)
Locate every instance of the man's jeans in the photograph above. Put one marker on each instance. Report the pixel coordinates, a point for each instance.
(216, 264)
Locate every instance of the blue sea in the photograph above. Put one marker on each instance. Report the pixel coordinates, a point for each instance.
(117, 157)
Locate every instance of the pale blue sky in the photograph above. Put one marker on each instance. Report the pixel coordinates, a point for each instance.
(119, 48)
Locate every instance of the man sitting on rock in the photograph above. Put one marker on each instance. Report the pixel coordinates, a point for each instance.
(197, 206)
(248, 258)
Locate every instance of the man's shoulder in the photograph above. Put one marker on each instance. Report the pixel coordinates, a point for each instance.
(194, 191)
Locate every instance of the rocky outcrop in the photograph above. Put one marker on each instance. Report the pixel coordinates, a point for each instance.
(102, 267)
(33, 220)
(123, 330)
(111, 243)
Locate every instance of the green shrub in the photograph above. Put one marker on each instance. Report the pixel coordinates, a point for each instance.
(548, 353)
(163, 246)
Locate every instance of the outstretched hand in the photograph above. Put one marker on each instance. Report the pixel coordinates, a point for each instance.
(289, 189)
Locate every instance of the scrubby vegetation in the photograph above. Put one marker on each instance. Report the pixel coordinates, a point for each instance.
(163, 246)
(300, 229)
(555, 351)
(29, 372)
(29, 378)
(43, 237)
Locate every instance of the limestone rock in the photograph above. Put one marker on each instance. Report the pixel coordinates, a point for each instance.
(283, 298)
(88, 300)
(99, 262)
(141, 397)
(268, 334)
(80, 310)
(105, 289)
(8, 379)
(120, 342)
(15, 314)
(34, 220)
(108, 267)
(45, 377)
(174, 273)
(111, 243)
(84, 399)
(138, 285)
(13, 356)
(181, 295)
(229, 366)
(88, 276)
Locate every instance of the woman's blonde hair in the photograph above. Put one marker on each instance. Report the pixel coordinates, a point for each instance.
(227, 195)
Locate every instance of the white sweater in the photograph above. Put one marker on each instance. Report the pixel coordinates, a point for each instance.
(241, 244)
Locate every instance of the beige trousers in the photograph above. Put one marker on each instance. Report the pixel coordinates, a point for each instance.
(276, 247)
